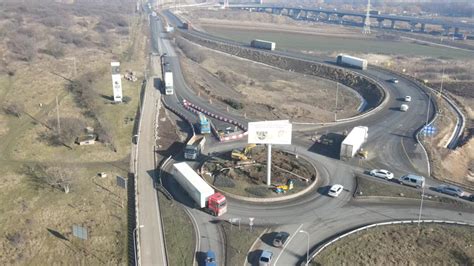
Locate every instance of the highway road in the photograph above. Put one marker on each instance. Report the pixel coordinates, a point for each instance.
(390, 141)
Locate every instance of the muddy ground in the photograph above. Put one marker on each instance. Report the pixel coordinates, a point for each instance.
(248, 178)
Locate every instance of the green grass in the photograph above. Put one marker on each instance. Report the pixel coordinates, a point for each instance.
(330, 44)
(238, 242)
(403, 245)
(179, 234)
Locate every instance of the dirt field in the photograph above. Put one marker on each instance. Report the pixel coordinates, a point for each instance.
(403, 245)
(265, 93)
(40, 60)
(249, 179)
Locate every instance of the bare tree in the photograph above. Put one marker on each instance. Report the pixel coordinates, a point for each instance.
(15, 109)
(59, 177)
(23, 46)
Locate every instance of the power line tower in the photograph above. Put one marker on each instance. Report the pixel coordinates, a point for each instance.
(367, 20)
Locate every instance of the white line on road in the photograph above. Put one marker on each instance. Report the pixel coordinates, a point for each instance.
(288, 242)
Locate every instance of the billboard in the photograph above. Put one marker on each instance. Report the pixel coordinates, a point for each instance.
(270, 132)
(116, 81)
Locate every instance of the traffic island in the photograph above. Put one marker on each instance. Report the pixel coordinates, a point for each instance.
(241, 173)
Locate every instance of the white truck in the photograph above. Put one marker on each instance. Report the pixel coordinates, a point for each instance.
(194, 147)
(169, 83)
(353, 142)
(351, 61)
(261, 44)
(203, 194)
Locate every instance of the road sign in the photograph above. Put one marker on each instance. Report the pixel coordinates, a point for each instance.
(79, 232)
(429, 130)
(270, 132)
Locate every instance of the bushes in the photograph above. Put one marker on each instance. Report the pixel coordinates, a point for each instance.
(223, 181)
(234, 104)
(14, 109)
(258, 191)
(23, 47)
(54, 49)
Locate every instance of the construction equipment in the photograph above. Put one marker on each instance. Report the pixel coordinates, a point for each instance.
(363, 154)
(288, 186)
(204, 125)
(243, 155)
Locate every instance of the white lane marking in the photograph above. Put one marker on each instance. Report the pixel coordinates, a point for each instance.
(287, 242)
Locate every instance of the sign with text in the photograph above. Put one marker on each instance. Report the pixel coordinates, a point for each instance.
(270, 132)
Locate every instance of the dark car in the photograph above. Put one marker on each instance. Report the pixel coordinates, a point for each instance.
(280, 239)
(210, 258)
(450, 190)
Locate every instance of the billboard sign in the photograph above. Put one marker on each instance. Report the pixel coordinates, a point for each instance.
(270, 132)
(116, 81)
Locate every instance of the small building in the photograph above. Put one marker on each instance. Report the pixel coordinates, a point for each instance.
(86, 139)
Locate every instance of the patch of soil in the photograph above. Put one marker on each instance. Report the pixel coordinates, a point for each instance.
(248, 178)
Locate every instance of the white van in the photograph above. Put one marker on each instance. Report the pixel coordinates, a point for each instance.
(403, 107)
(412, 180)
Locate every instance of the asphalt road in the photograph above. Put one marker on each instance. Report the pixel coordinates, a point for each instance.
(391, 143)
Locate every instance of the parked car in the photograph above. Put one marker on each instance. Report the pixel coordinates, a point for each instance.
(265, 258)
(393, 80)
(381, 173)
(450, 190)
(407, 98)
(412, 180)
(403, 107)
(210, 258)
(280, 239)
(471, 197)
(335, 190)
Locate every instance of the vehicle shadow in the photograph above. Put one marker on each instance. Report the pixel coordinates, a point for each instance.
(253, 256)
(268, 238)
(324, 190)
(158, 84)
(201, 258)
(328, 145)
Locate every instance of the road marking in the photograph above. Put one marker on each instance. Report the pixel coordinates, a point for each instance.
(288, 242)
(406, 153)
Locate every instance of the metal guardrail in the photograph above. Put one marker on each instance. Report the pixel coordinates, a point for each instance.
(324, 246)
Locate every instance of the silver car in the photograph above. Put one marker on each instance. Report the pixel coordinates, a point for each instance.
(450, 190)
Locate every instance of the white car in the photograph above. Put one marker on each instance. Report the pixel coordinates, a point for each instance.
(335, 190)
(381, 173)
(407, 98)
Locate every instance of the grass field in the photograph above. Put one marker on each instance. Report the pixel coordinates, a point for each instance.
(403, 245)
(331, 44)
(238, 242)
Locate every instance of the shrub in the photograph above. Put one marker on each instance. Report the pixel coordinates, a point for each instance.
(55, 49)
(234, 104)
(126, 99)
(14, 109)
(23, 46)
(223, 181)
(258, 191)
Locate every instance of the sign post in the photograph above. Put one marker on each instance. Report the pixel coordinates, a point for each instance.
(270, 132)
(116, 81)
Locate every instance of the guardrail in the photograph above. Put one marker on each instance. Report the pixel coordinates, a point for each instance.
(325, 245)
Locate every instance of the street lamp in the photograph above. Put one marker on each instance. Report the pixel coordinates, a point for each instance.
(307, 249)
(421, 205)
(134, 242)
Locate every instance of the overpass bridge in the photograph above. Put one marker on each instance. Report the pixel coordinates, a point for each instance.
(338, 15)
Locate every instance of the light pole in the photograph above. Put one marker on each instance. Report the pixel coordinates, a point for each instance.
(307, 249)
(421, 204)
(134, 241)
(335, 111)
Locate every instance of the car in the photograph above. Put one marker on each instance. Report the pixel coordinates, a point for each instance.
(471, 197)
(381, 173)
(265, 258)
(210, 258)
(412, 180)
(403, 107)
(450, 190)
(335, 190)
(393, 80)
(280, 239)
(407, 98)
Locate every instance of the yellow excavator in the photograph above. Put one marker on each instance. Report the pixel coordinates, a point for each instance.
(242, 155)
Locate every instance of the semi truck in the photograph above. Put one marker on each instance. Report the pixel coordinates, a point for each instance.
(169, 82)
(194, 147)
(203, 195)
(353, 142)
(186, 25)
(261, 44)
(351, 61)
(204, 125)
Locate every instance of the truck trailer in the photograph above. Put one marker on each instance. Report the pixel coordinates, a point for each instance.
(204, 195)
(194, 147)
(168, 82)
(261, 44)
(353, 142)
(351, 61)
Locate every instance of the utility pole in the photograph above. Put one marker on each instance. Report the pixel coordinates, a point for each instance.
(337, 92)
(442, 79)
(367, 20)
(57, 116)
(421, 204)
